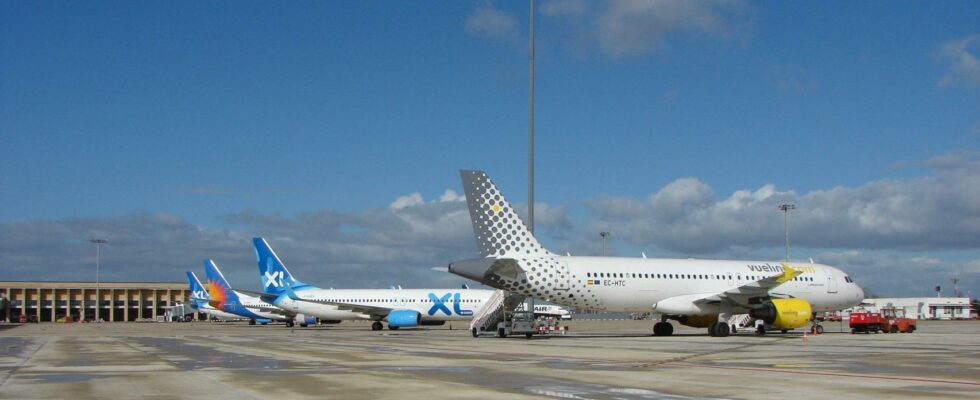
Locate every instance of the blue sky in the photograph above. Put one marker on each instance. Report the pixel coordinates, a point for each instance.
(223, 116)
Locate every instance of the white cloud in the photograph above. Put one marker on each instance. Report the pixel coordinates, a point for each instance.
(633, 27)
(940, 211)
(490, 22)
(559, 8)
(888, 275)
(413, 199)
(963, 64)
(451, 195)
(620, 28)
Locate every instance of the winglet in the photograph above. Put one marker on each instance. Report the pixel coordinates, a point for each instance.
(788, 273)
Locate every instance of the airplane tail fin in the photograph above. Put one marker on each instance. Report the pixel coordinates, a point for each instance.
(218, 287)
(500, 232)
(198, 293)
(274, 274)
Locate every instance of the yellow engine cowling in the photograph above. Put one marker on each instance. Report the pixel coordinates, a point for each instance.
(697, 321)
(784, 313)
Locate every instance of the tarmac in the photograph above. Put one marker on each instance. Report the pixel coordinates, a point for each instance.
(596, 359)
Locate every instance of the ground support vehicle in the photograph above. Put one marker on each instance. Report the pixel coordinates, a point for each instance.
(516, 323)
(895, 321)
(865, 321)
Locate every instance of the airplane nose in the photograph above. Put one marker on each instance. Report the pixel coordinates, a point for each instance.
(860, 292)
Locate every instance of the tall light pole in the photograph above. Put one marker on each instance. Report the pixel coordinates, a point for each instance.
(98, 282)
(785, 207)
(530, 132)
(529, 306)
(604, 235)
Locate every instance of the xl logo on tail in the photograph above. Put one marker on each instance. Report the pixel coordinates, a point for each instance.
(273, 279)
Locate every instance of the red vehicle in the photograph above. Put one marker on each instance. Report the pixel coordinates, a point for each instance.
(895, 321)
(867, 322)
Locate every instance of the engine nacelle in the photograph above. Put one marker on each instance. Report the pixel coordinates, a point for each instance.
(305, 319)
(697, 321)
(783, 313)
(404, 319)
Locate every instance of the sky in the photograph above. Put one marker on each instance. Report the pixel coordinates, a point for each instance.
(180, 130)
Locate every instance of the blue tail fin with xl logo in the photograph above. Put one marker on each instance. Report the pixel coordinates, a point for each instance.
(198, 293)
(274, 274)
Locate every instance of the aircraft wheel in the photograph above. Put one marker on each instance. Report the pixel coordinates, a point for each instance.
(721, 329)
(251, 322)
(819, 329)
(376, 326)
(289, 324)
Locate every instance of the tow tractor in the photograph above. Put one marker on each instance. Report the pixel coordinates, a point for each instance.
(895, 321)
(516, 323)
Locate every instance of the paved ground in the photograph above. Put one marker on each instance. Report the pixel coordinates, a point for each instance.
(598, 359)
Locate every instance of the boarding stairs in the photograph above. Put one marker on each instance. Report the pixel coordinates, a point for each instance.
(487, 318)
(740, 320)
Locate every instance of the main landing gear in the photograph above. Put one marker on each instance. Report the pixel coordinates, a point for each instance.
(290, 324)
(719, 328)
(377, 326)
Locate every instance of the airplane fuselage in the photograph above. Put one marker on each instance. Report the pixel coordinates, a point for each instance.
(639, 285)
(431, 304)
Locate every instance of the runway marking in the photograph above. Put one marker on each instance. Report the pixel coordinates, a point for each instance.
(838, 374)
(22, 362)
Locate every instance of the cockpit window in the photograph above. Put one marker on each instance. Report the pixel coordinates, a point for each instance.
(848, 279)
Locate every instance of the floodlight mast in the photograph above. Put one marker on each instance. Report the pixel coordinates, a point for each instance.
(98, 284)
(604, 235)
(530, 144)
(785, 207)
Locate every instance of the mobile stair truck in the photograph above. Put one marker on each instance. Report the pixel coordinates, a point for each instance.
(499, 317)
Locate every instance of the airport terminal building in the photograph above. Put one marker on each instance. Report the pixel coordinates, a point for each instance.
(941, 308)
(117, 301)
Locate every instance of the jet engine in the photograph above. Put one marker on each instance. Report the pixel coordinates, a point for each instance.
(404, 319)
(697, 321)
(783, 313)
(305, 320)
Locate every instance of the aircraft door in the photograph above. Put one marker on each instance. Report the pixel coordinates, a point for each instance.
(831, 282)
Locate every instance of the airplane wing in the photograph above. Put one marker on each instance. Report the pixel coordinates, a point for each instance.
(759, 287)
(762, 286)
(266, 297)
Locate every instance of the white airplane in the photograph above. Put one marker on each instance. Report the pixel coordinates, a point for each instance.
(246, 304)
(199, 300)
(401, 308)
(698, 293)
